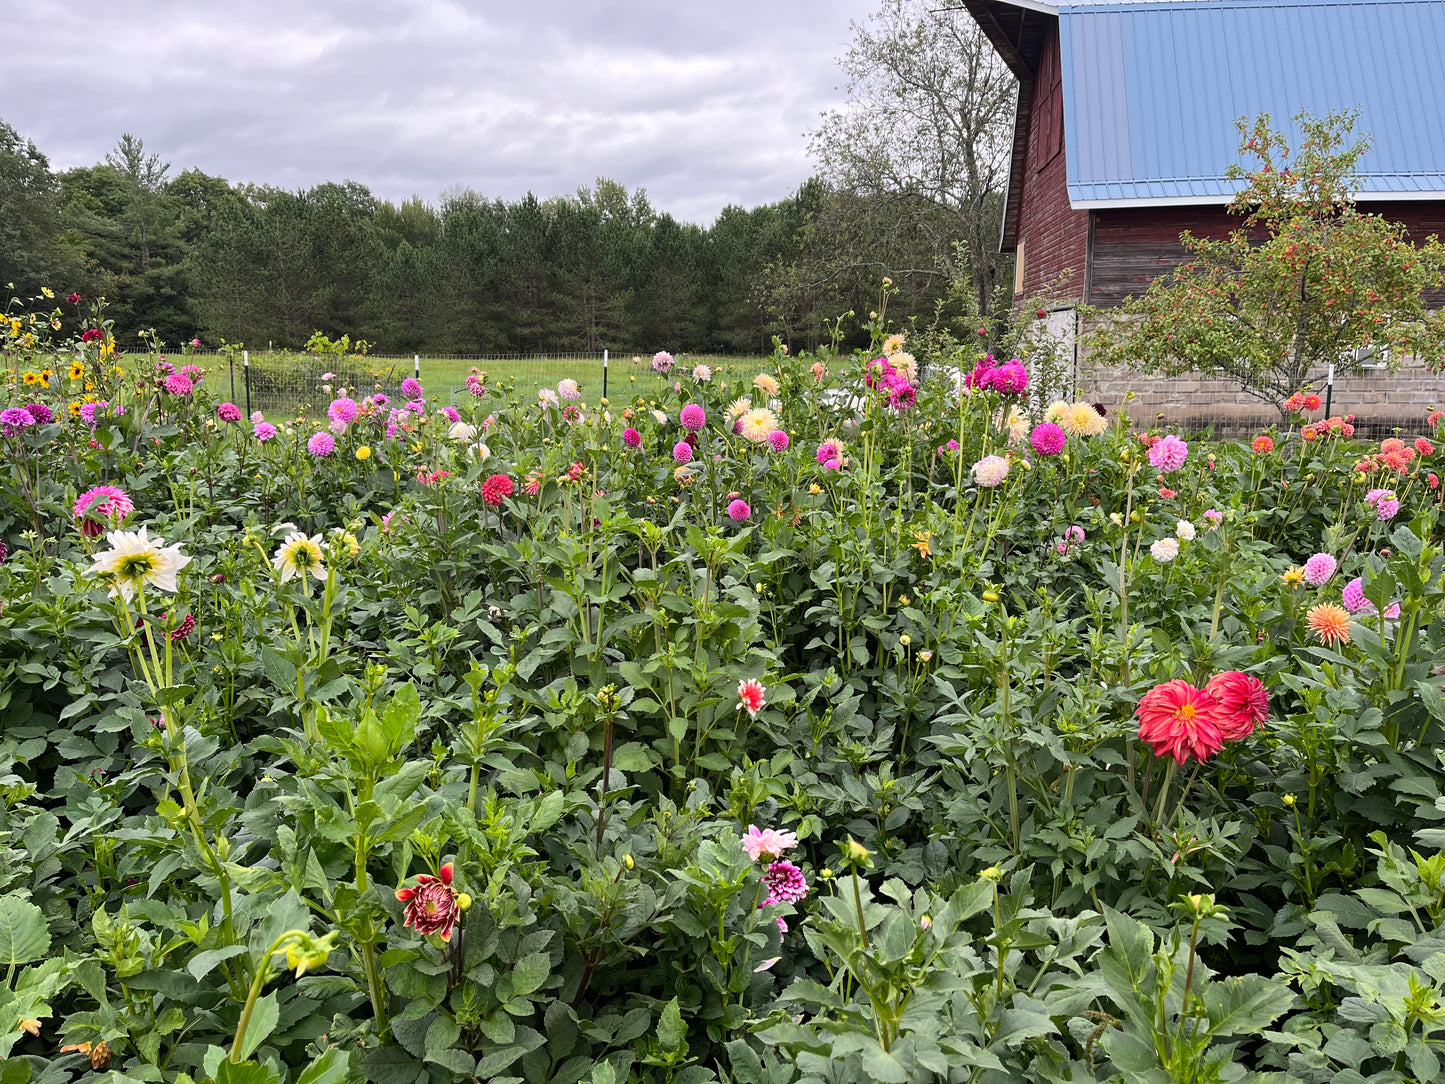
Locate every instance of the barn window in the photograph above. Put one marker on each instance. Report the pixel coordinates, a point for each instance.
(1049, 129)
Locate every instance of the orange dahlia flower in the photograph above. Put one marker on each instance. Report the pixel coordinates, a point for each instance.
(1180, 721)
(1330, 623)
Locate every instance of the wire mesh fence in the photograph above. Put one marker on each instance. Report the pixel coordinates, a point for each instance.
(289, 383)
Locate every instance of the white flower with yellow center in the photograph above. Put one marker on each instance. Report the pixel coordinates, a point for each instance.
(298, 556)
(758, 425)
(135, 560)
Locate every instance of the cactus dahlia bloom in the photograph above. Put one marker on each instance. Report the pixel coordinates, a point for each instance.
(1330, 623)
(1180, 721)
(431, 907)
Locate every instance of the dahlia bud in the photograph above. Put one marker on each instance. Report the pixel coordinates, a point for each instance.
(628, 862)
(464, 902)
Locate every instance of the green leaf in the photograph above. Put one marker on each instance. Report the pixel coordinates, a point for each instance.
(244, 1072)
(263, 1021)
(203, 963)
(1245, 1005)
(671, 1031)
(401, 716)
(330, 1068)
(878, 1064)
(1407, 542)
(530, 973)
(281, 670)
(24, 936)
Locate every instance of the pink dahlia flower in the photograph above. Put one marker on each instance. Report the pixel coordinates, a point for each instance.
(1048, 439)
(693, 417)
(767, 843)
(1168, 454)
(1319, 569)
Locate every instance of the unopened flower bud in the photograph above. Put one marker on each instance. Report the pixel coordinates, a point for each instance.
(628, 862)
(464, 902)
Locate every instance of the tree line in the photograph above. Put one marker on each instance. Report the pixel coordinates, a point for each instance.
(189, 255)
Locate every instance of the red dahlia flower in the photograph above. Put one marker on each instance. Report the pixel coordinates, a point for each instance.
(1243, 701)
(431, 907)
(496, 489)
(1181, 721)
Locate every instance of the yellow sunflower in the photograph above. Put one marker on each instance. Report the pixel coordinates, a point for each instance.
(76, 370)
(29, 378)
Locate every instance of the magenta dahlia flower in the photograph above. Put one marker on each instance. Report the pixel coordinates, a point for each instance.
(228, 412)
(1319, 569)
(693, 417)
(682, 452)
(779, 440)
(1168, 454)
(785, 882)
(321, 445)
(631, 437)
(1048, 439)
(738, 511)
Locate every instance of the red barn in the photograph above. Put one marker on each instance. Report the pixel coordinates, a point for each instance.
(1126, 123)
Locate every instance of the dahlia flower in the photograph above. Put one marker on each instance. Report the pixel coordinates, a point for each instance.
(179, 384)
(1243, 702)
(1048, 439)
(767, 843)
(1330, 623)
(990, 471)
(343, 410)
(462, 432)
(785, 882)
(301, 556)
(1168, 454)
(1180, 721)
(1184, 531)
(546, 397)
(1165, 550)
(228, 412)
(42, 414)
(662, 361)
(135, 560)
(682, 452)
(411, 388)
(1263, 444)
(631, 437)
(1319, 569)
(263, 431)
(766, 384)
(750, 697)
(779, 440)
(431, 907)
(693, 417)
(701, 373)
(568, 389)
(828, 450)
(321, 445)
(109, 503)
(758, 424)
(738, 511)
(496, 489)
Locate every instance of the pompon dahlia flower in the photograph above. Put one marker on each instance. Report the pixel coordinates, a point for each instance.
(1048, 439)
(1243, 703)
(431, 907)
(682, 453)
(110, 504)
(497, 488)
(1319, 569)
(739, 511)
(828, 450)
(1168, 454)
(767, 843)
(750, 697)
(779, 440)
(1180, 721)
(692, 417)
(631, 437)
(990, 471)
(1330, 623)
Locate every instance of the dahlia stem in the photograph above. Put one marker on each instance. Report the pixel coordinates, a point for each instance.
(1179, 808)
(1164, 790)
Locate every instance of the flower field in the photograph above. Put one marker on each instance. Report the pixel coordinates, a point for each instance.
(839, 723)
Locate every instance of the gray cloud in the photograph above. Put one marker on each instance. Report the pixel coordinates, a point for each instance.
(702, 104)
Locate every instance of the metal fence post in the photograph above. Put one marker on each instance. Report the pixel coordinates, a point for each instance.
(416, 367)
(246, 375)
(604, 374)
(1329, 389)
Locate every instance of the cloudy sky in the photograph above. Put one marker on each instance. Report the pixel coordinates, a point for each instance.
(704, 104)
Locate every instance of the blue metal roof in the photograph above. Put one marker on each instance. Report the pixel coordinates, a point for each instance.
(1152, 91)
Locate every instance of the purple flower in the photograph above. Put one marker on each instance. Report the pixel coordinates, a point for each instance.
(13, 419)
(826, 451)
(779, 440)
(411, 388)
(40, 412)
(631, 437)
(228, 412)
(321, 445)
(739, 511)
(451, 414)
(1168, 454)
(1048, 439)
(682, 452)
(693, 417)
(1319, 569)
